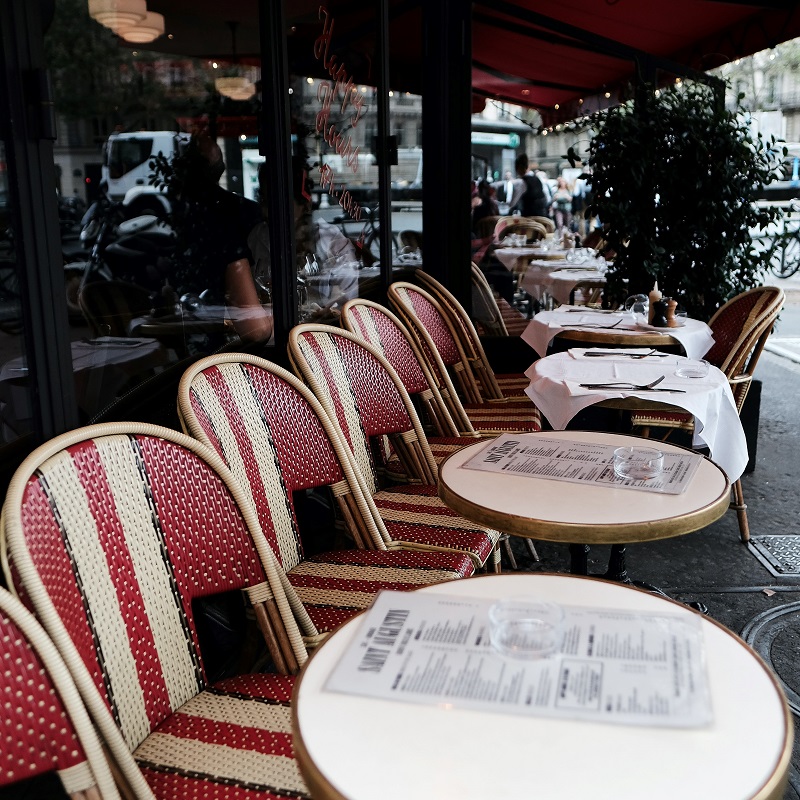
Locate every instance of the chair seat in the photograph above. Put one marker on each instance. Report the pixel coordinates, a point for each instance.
(336, 585)
(416, 516)
(662, 419)
(441, 447)
(500, 417)
(513, 385)
(232, 740)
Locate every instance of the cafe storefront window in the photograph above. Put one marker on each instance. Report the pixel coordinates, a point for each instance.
(144, 121)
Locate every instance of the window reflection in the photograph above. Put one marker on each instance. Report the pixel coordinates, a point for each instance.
(16, 413)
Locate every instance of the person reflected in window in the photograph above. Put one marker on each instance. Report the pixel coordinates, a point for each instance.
(212, 225)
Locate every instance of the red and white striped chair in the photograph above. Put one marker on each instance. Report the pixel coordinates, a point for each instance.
(44, 727)
(435, 335)
(277, 439)
(379, 327)
(363, 395)
(384, 331)
(110, 534)
(493, 387)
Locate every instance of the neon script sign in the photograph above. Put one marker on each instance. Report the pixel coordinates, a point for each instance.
(339, 88)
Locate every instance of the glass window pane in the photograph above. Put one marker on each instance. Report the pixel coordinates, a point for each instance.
(158, 194)
(16, 413)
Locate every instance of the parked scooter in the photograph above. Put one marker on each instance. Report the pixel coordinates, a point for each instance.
(138, 251)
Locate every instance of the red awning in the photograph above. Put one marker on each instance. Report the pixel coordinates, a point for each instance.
(548, 53)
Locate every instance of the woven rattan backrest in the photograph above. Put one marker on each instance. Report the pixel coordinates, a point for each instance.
(469, 342)
(360, 391)
(43, 724)
(735, 323)
(545, 222)
(377, 325)
(484, 304)
(111, 532)
(435, 331)
(274, 436)
(533, 231)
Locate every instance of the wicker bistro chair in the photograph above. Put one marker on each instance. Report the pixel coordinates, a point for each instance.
(741, 328)
(277, 439)
(386, 333)
(364, 397)
(383, 330)
(533, 231)
(436, 338)
(510, 387)
(110, 533)
(44, 727)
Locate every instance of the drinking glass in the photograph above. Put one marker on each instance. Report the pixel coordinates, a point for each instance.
(526, 627)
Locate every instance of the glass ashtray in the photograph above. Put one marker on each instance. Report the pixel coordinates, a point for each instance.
(638, 463)
(693, 369)
(526, 628)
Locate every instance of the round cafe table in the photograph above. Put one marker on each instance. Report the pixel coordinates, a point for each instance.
(582, 514)
(363, 748)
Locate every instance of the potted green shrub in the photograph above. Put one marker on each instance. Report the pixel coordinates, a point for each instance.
(674, 178)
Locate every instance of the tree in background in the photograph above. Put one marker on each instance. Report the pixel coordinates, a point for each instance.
(675, 177)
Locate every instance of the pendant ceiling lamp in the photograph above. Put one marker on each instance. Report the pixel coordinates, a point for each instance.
(235, 87)
(118, 14)
(150, 28)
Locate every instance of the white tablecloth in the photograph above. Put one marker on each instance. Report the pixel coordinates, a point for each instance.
(695, 337)
(541, 279)
(555, 388)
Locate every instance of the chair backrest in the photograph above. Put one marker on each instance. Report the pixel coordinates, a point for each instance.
(362, 393)
(109, 306)
(411, 239)
(738, 326)
(377, 325)
(44, 727)
(545, 222)
(435, 332)
(485, 226)
(533, 231)
(111, 532)
(276, 438)
(460, 323)
(484, 305)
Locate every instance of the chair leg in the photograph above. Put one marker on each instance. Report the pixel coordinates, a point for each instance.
(505, 541)
(739, 505)
(496, 566)
(532, 549)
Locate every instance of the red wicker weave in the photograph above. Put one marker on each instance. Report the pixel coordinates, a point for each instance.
(276, 439)
(112, 532)
(362, 393)
(44, 727)
(514, 385)
(426, 319)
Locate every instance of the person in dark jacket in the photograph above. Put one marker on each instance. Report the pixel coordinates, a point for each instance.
(533, 201)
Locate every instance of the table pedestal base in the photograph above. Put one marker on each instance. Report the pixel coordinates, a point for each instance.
(617, 571)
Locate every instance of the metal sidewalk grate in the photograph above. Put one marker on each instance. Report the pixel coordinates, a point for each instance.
(779, 554)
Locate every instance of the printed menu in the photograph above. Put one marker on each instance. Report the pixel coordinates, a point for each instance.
(577, 462)
(613, 666)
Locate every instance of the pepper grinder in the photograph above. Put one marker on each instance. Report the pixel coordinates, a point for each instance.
(659, 314)
(672, 321)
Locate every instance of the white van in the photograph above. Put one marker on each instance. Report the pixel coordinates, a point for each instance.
(126, 168)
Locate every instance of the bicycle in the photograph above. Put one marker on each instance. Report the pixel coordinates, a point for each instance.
(785, 260)
(367, 240)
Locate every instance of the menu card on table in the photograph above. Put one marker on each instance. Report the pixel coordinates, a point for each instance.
(577, 462)
(626, 667)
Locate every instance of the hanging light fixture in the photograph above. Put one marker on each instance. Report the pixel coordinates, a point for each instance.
(235, 87)
(117, 14)
(150, 28)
